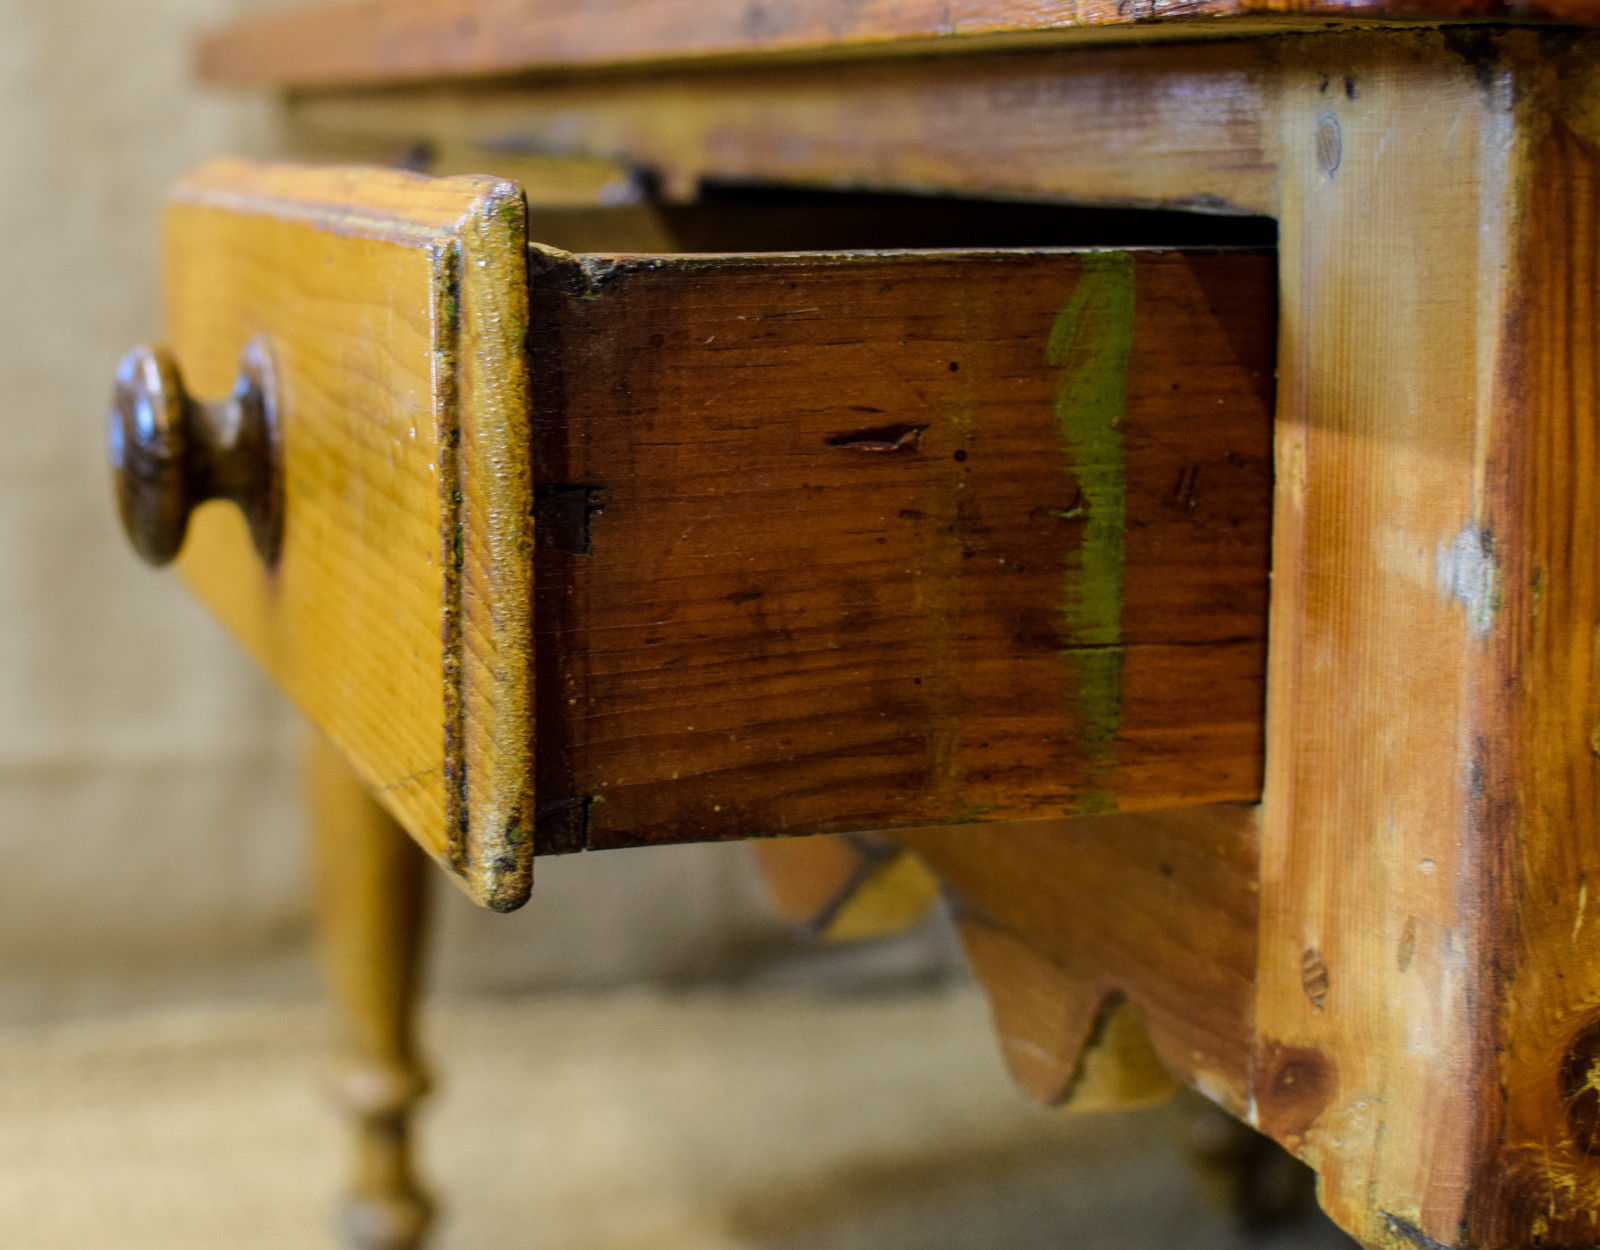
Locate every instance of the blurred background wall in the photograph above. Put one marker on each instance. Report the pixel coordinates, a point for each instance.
(149, 820)
(146, 813)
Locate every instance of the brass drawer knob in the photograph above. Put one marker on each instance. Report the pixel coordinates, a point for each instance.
(170, 452)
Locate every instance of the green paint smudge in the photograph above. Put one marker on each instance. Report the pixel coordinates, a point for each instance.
(1091, 343)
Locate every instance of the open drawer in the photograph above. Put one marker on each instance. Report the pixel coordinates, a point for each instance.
(574, 551)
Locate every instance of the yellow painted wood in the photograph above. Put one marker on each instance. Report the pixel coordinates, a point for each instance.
(846, 887)
(398, 613)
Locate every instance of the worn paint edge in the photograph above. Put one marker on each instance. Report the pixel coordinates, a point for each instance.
(446, 281)
(487, 502)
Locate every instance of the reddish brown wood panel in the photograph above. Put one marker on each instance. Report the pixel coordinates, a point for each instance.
(371, 41)
(881, 540)
(1536, 761)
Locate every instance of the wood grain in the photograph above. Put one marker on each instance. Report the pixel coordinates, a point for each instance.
(1416, 1014)
(1159, 126)
(863, 541)
(1371, 1058)
(1363, 1055)
(1428, 981)
(364, 41)
(397, 614)
(1541, 696)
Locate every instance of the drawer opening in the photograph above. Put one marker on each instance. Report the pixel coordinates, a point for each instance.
(742, 217)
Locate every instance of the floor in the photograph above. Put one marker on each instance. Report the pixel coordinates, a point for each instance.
(769, 1120)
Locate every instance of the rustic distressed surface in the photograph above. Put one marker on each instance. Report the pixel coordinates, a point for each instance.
(852, 542)
(397, 613)
(363, 41)
(372, 895)
(1170, 126)
(1429, 981)
(1542, 779)
(1368, 1058)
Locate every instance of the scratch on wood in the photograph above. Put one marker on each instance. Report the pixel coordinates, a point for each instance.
(880, 438)
(787, 312)
(396, 784)
(1092, 343)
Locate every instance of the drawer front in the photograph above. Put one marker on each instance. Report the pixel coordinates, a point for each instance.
(397, 611)
(812, 541)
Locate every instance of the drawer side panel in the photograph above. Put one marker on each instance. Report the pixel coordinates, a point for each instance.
(868, 541)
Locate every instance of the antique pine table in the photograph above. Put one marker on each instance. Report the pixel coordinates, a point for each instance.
(1131, 464)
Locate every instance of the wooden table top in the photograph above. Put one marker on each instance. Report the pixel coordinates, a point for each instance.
(365, 42)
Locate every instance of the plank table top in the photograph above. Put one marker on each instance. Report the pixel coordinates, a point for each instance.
(367, 42)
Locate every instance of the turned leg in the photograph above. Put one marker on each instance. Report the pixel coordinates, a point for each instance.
(371, 893)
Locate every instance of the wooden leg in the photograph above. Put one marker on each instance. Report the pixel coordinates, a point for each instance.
(1428, 1005)
(371, 886)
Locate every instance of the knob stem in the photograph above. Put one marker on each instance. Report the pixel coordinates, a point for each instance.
(170, 452)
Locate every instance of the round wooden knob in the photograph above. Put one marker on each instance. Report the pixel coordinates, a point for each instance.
(170, 453)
